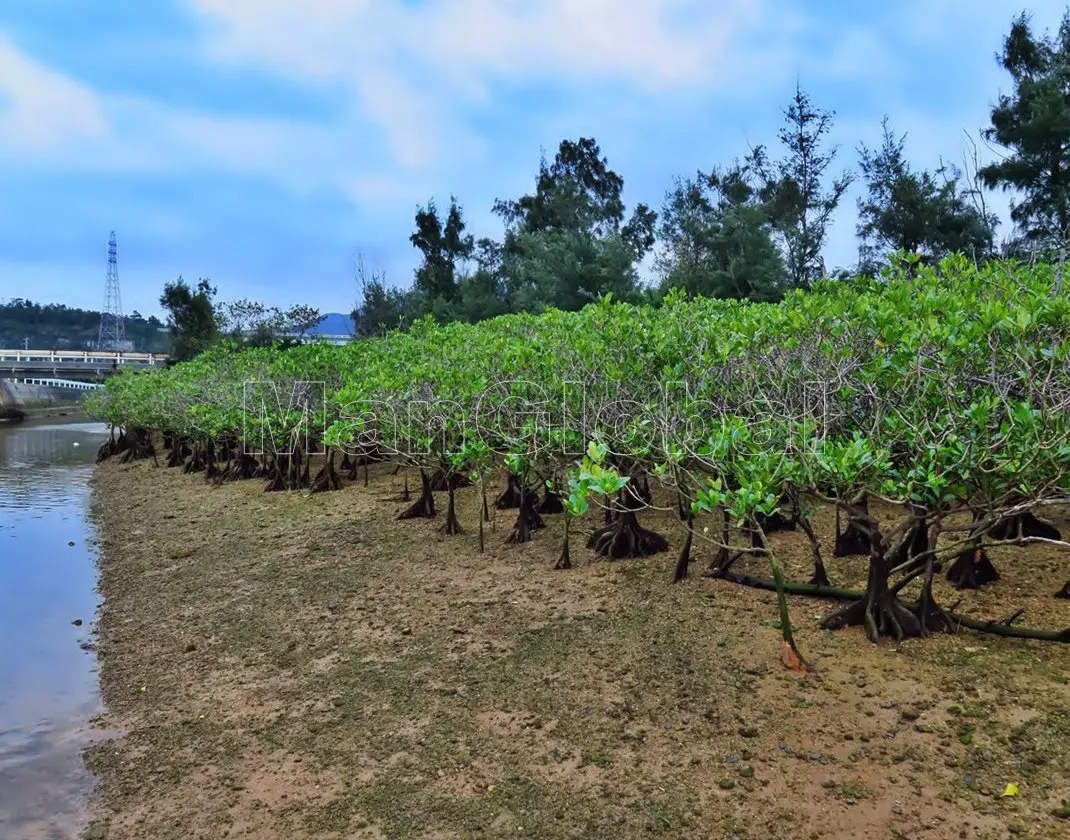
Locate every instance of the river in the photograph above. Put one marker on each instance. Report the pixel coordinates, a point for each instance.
(48, 577)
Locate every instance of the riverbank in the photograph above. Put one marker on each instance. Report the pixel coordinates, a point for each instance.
(308, 667)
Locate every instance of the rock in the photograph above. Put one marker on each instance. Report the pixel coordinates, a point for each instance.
(748, 732)
(828, 784)
(504, 822)
(908, 715)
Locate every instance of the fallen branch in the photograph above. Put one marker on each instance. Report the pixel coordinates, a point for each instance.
(814, 590)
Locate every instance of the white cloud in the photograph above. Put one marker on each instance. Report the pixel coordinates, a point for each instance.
(660, 42)
(41, 109)
(415, 83)
(412, 69)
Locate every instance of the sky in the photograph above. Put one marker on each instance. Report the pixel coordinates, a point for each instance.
(269, 144)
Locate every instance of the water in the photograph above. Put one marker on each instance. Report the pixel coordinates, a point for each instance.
(48, 681)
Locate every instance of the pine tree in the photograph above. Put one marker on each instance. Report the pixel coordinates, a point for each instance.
(799, 207)
(1033, 124)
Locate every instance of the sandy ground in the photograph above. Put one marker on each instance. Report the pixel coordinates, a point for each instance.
(292, 666)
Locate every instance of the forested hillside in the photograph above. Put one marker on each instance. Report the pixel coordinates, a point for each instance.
(55, 326)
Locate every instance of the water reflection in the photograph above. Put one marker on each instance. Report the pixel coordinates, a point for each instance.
(48, 683)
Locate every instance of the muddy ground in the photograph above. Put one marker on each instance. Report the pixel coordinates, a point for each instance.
(293, 666)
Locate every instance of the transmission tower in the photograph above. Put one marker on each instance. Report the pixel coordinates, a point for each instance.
(112, 332)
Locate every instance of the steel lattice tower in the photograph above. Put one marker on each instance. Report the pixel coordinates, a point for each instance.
(112, 332)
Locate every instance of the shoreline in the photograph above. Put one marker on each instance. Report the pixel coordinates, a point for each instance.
(301, 666)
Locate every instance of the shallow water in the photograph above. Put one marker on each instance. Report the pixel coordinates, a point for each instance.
(48, 681)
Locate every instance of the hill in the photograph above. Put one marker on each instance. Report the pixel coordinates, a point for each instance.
(334, 323)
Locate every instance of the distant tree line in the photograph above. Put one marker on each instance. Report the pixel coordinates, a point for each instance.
(196, 320)
(55, 326)
(755, 228)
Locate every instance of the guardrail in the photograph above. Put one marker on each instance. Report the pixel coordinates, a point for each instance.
(88, 356)
(58, 383)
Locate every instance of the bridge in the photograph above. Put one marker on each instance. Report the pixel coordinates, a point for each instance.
(74, 364)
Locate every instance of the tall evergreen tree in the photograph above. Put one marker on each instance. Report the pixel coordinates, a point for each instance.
(717, 239)
(568, 243)
(443, 246)
(1033, 124)
(800, 207)
(191, 316)
(917, 212)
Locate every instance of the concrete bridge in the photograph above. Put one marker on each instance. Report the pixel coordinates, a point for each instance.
(74, 364)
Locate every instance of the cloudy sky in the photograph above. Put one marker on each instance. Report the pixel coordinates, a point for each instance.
(267, 143)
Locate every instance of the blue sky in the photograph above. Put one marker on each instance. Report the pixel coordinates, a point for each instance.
(267, 143)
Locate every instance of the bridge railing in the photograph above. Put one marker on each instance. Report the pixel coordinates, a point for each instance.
(57, 383)
(118, 356)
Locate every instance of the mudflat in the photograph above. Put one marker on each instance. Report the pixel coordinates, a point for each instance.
(297, 666)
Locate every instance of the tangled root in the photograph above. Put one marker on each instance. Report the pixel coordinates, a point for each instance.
(626, 538)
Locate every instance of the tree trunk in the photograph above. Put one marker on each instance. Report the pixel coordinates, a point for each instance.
(853, 540)
(564, 561)
(879, 611)
(424, 507)
(684, 561)
(527, 518)
(452, 527)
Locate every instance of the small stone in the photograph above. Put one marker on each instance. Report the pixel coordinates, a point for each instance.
(828, 784)
(459, 630)
(505, 821)
(850, 801)
(908, 715)
(406, 631)
(748, 732)
(726, 784)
